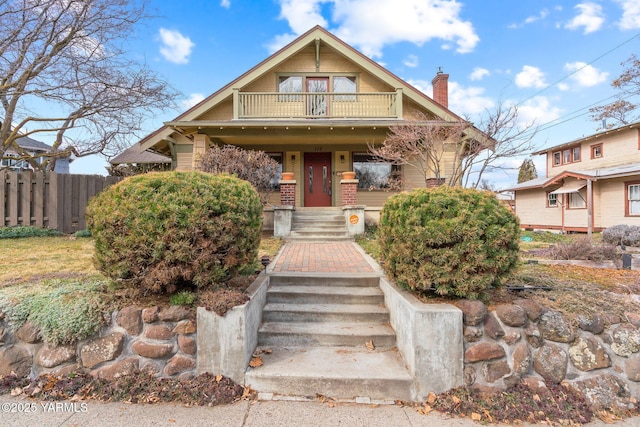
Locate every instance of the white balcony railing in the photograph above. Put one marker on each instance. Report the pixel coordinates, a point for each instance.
(305, 105)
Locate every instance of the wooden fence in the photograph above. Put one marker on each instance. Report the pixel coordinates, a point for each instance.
(55, 201)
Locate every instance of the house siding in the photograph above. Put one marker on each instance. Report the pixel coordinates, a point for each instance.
(531, 208)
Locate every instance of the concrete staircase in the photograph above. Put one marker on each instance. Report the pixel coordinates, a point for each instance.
(325, 224)
(313, 341)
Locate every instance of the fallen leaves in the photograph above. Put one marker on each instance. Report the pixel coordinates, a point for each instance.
(370, 346)
(256, 362)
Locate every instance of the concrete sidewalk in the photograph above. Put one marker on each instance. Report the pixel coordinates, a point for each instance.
(239, 414)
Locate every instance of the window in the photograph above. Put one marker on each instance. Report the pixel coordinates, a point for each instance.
(577, 201)
(343, 85)
(575, 154)
(557, 160)
(274, 183)
(552, 200)
(566, 156)
(290, 84)
(596, 151)
(373, 175)
(633, 199)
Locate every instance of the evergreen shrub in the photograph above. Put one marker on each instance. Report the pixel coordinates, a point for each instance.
(458, 242)
(165, 231)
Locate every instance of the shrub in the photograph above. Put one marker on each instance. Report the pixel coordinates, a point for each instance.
(183, 298)
(166, 230)
(455, 241)
(254, 166)
(622, 235)
(581, 248)
(27, 231)
(65, 310)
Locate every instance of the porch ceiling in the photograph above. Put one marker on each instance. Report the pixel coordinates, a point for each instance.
(287, 131)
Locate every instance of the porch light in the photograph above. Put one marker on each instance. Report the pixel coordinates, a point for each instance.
(293, 158)
(341, 158)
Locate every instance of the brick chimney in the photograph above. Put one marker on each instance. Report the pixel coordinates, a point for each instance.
(440, 85)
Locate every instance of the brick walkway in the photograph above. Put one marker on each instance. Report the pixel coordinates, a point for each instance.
(340, 257)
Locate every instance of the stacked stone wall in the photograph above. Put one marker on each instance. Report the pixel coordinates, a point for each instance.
(161, 341)
(523, 341)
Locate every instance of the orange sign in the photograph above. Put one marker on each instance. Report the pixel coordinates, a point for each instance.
(354, 219)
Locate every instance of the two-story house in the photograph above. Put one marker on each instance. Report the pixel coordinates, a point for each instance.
(35, 148)
(590, 184)
(314, 106)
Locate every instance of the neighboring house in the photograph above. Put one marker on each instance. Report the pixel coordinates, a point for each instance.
(34, 148)
(591, 183)
(145, 161)
(313, 106)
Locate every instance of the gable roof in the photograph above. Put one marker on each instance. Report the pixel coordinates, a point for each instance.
(587, 138)
(32, 144)
(316, 33)
(133, 155)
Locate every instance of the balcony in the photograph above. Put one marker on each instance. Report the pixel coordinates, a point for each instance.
(314, 105)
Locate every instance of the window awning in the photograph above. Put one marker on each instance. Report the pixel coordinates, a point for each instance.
(573, 187)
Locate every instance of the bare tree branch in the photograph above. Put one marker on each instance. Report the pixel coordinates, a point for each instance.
(67, 56)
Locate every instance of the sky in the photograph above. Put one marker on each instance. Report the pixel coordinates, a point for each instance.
(552, 59)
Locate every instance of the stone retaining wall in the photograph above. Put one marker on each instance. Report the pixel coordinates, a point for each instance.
(526, 342)
(157, 340)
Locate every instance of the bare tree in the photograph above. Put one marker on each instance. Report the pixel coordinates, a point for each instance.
(622, 111)
(457, 153)
(422, 144)
(63, 70)
(504, 137)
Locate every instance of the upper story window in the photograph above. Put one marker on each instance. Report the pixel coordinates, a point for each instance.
(566, 156)
(596, 151)
(344, 84)
(290, 84)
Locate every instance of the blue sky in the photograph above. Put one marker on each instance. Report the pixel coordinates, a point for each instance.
(554, 59)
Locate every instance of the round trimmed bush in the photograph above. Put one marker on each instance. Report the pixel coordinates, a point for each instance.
(458, 242)
(162, 231)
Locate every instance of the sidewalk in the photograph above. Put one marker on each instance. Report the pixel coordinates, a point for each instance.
(239, 414)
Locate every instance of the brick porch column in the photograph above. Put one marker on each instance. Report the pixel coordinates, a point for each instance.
(349, 192)
(288, 192)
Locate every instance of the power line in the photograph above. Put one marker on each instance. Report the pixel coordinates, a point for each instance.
(579, 69)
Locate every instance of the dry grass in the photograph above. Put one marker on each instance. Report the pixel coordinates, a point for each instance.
(31, 259)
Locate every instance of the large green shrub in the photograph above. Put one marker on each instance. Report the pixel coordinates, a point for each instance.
(160, 231)
(456, 241)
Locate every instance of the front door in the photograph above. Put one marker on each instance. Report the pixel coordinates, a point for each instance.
(317, 179)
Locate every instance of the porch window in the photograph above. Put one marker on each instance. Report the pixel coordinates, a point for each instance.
(372, 174)
(290, 84)
(552, 200)
(274, 183)
(577, 201)
(633, 199)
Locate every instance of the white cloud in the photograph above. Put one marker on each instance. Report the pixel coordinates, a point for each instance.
(530, 77)
(531, 19)
(479, 73)
(193, 99)
(630, 14)
(537, 110)
(590, 17)
(366, 24)
(411, 61)
(225, 3)
(175, 47)
(468, 101)
(585, 75)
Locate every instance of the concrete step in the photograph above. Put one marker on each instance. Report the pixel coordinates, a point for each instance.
(318, 226)
(334, 372)
(326, 279)
(355, 313)
(282, 334)
(296, 294)
(306, 232)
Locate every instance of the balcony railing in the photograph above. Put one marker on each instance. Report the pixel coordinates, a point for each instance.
(306, 105)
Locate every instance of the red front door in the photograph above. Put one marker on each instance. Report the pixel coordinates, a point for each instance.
(317, 179)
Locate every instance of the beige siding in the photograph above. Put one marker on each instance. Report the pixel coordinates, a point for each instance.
(532, 211)
(184, 157)
(612, 202)
(223, 111)
(618, 148)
